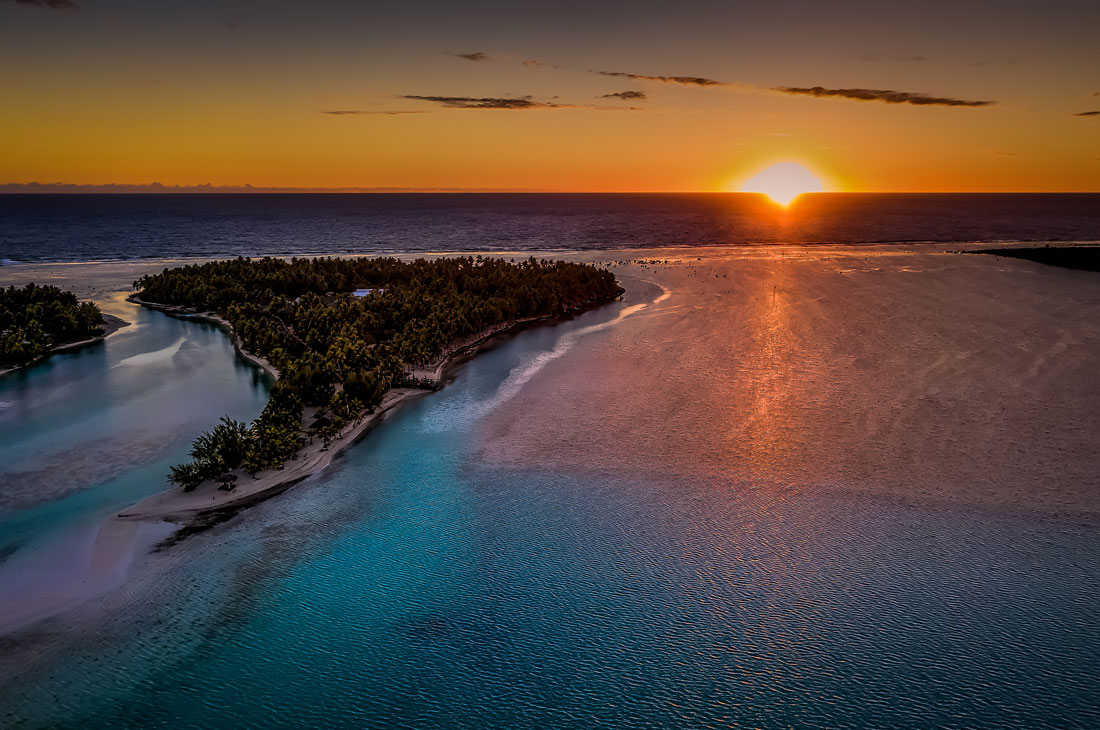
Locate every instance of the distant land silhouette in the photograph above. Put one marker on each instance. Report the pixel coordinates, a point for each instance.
(156, 187)
(1086, 258)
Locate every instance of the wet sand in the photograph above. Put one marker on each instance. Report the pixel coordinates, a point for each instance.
(89, 280)
(104, 556)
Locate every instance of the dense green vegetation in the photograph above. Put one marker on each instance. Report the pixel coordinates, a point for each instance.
(1086, 258)
(34, 319)
(341, 354)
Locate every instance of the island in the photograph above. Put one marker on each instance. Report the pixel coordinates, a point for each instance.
(345, 340)
(37, 321)
(1085, 258)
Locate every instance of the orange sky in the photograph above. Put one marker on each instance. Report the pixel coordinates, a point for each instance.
(215, 93)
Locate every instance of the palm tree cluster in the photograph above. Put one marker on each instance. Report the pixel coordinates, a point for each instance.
(341, 353)
(34, 319)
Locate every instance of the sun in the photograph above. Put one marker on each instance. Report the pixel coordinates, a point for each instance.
(783, 182)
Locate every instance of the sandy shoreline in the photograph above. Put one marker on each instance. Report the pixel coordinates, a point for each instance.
(188, 508)
(177, 505)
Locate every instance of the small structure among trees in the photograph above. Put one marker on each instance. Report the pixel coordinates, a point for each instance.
(227, 482)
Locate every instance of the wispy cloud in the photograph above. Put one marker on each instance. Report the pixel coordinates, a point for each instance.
(1087, 114)
(52, 4)
(683, 80)
(625, 95)
(479, 56)
(351, 112)
(512, 103)
(475, 56)
(536, 63)
(487, 102)
(887, 96)
(886, 57)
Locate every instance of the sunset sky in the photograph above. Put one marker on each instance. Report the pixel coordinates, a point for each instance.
(565, 95)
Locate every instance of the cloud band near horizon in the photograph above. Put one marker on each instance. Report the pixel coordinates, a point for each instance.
(486, 102)
(475, 56)
(682, 80)
(886, 96)
(52, 4)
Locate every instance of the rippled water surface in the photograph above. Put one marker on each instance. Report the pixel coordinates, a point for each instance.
(101, 227)
(724, 508)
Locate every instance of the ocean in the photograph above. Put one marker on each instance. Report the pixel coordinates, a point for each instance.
(795, 486)
(109, 227)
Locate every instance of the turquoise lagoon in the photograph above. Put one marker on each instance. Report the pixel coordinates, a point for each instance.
(419, 582)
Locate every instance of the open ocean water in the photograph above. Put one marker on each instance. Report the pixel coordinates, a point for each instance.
(850, 487)
(105, 227)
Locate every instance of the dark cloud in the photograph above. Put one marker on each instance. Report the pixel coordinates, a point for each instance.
(887, 96)
(475, 56)
(512, 103)
(625, 95)
(53, 4)
(486, 102)
(1087, 114)
(536, 63)
(684, 80)
(347, 112)
(880, 57)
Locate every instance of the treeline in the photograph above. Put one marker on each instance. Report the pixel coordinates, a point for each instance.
(1086, 258)
(341, 353)
(34, 319)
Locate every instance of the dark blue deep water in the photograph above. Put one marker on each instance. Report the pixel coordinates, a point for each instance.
(105, 226)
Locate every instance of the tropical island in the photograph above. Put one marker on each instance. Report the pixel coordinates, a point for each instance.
(345, 340)
(36, 321)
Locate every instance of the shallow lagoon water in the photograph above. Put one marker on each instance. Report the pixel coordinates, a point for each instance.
(87, 433)
(440, 576)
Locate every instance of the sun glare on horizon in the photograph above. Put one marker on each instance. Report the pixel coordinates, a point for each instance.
(783, 182)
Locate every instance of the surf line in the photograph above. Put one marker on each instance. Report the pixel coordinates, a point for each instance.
(522, 373)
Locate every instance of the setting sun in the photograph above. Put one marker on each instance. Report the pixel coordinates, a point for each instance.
(783, 182)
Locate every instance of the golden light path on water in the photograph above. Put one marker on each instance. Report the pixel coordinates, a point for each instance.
(813, 368)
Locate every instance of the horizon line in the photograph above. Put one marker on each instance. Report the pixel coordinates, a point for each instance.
(35, 188)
